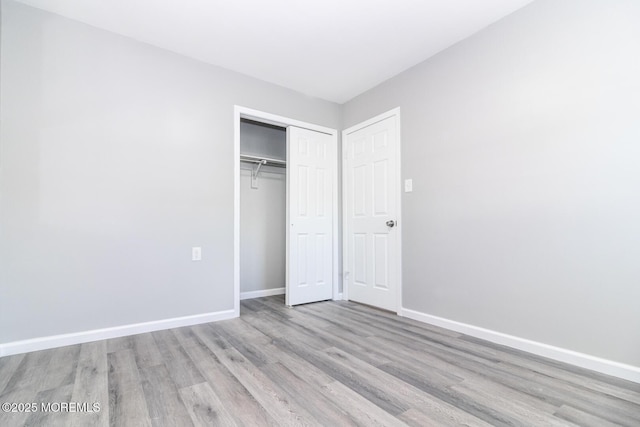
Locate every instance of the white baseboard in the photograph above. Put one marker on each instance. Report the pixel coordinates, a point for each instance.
(263, 293)
(53, 341)
(609, 367)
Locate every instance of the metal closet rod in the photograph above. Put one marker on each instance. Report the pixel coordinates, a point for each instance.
(263, 160)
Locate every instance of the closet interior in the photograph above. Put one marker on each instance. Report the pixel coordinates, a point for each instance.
(263, 154)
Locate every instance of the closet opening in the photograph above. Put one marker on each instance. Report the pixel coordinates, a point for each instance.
(263, 191)
(285, 209)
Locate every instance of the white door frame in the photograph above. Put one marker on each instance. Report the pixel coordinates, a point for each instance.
(240, 112)
(398, 180)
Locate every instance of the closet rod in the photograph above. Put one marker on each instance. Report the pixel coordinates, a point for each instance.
(263, 160)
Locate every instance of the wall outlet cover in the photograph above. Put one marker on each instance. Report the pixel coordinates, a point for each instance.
(408, 185)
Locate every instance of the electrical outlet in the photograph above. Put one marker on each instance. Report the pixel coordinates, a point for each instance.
(196, 254)
(408, 185)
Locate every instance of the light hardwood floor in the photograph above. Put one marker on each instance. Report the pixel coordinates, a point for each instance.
(329, 364)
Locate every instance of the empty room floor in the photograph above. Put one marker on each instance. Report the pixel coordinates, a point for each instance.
(333, 363)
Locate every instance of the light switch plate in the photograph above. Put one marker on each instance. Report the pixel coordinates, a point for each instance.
(408, 185)
(196, 254)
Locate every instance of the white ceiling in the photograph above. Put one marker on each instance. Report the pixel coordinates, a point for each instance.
(331, 49)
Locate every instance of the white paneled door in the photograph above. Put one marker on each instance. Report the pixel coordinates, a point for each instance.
(371, 190)
(310, 173)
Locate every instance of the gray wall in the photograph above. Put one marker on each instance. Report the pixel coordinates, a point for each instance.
(116, 159)
(523, 144)
(262, 211)
(262, 230)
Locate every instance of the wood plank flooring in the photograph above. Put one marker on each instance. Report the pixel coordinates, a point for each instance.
(324, 364)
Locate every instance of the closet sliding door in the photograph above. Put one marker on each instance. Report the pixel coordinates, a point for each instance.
(311, 169)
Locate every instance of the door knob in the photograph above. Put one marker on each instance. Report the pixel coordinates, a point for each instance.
(391, 223)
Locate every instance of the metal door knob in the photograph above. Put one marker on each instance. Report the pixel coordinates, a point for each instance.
(391, 223)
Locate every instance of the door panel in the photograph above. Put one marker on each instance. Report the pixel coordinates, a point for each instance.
(309, 216)
(371, 190)
(381, 261)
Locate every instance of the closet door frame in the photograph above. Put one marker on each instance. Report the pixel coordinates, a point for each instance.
(240, 112)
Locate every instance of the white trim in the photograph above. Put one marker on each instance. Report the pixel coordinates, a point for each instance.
(391, 113)
(399, 222)
(54, 341)
(262, 293)
(287, 233)
(345, 274)
(236, 210)
(260, 116)
(608, 367)
(273, 119)
(337, 276)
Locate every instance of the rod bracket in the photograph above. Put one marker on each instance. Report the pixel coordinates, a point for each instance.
(255, 172)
